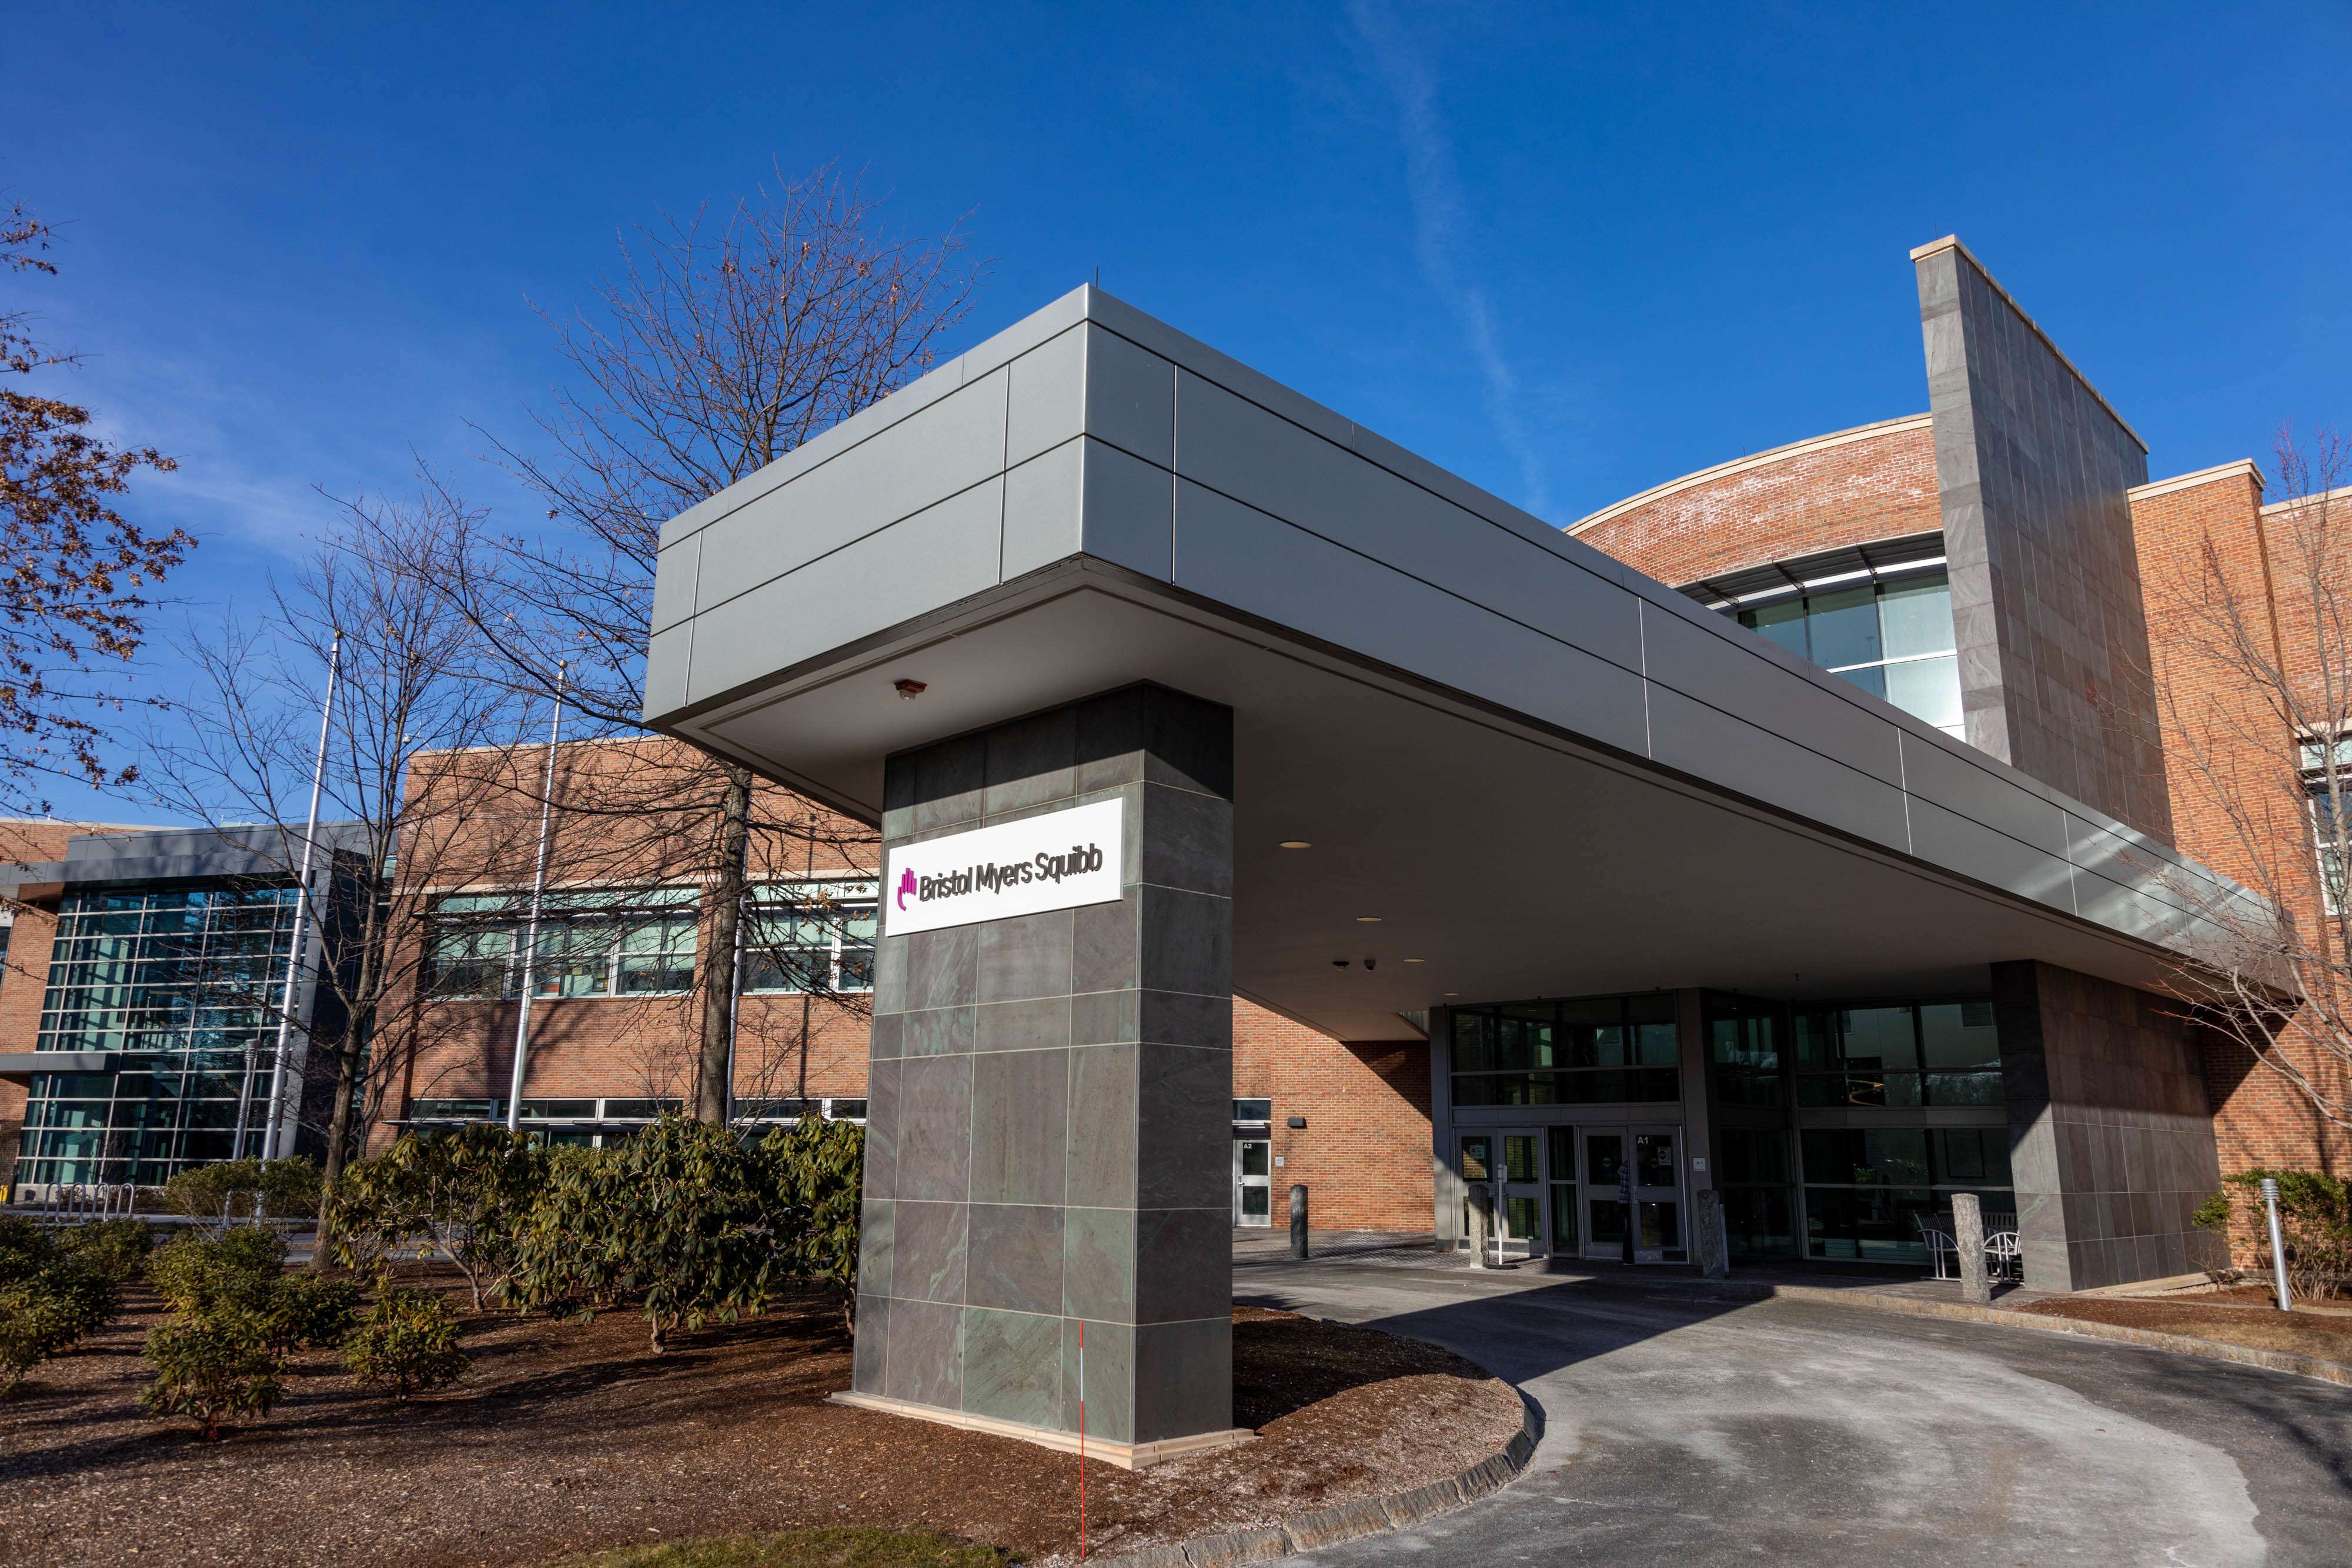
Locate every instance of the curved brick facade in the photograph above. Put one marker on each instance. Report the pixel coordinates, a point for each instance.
(1873, 482)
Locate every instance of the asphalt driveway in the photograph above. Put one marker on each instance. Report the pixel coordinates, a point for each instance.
(1685, 1429)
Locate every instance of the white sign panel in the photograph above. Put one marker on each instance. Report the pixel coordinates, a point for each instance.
(1058, 861)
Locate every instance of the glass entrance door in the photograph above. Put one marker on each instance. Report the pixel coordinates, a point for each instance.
(1657, 1196)
(1252, 1180)
(1519, 1227)
(1654, 1154)
(1604, 1224)
(1477, 1167)
(1509, 1167)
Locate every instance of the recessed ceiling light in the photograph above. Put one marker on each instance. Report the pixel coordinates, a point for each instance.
(1453, 993)
(1296, 844)
(1416, 960)
(1368, 920)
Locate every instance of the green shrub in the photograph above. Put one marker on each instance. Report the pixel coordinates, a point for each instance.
(685, 1217)
(211, 1364)
(288, 1189)
(407, 1343)
(116, 1250)
(2315, 1222)
(196, 1271)
(306, 1311)
(52, 1295)
(26, 1248)
(821, 1168)
(35, 1324)
(462, 1194)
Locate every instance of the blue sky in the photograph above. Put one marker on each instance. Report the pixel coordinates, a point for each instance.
(1565, 251)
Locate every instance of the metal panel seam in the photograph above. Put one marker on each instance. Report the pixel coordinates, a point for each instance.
(1640, 678)
(880, 528)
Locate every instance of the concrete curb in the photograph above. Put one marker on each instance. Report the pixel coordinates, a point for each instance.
(2005, 1317)
(1329, 1526)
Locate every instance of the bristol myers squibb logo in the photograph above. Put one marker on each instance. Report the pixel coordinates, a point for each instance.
(905, 886)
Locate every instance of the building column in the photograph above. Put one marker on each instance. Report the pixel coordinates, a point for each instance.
(1049, 1114)
(2111, 1142)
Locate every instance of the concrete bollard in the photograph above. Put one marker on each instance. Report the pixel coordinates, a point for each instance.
(1968, 1236)
(1482, 1222)
(1298, 1220)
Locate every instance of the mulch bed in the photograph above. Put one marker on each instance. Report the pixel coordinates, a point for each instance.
(568, 1437)
(2255, 1323)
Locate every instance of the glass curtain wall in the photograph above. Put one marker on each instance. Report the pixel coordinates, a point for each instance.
(1595, 1050)
(1892, 638)
(184, 982)
(1840, 1126)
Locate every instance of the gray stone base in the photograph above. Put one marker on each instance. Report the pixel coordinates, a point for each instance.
(1125, 1455)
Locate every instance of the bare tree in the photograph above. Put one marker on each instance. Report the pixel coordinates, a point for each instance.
(74, 574)
(723, 343)
(410, 684)
(2259, 705)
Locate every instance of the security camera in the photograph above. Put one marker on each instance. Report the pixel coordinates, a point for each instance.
(1369, 963)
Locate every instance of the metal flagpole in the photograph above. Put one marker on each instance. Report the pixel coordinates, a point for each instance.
(538, 895)
(301, 910)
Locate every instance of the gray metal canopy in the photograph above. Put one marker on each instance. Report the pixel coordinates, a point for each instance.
(1522, 768)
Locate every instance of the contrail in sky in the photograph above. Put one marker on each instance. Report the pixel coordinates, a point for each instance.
(1440, 225)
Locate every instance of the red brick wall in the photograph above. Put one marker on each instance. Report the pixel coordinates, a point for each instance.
(1364, 1152)
(789, 1047)
(2230, 771)
(1816, 495)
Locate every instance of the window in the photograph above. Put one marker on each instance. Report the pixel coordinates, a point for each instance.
(1744, 1041)
(188, 979)
(811, 937)
(2329, 836)
(1253, 1110)
(1864, 1186)
(1892, 637)
(600, 1123)
(1754, 1178)
(597, 943)
(1599, 1050)
(1875, 1056)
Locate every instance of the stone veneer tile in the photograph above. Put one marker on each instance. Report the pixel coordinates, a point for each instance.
(1184, 1265)
(1098, 1264)
(929, 1251)
(924, 1361)
(1188, 1093)
(1016, 1258)
(1108, 1380)
(1103, 1116)
(1183, 1377)
(1013, 1367)
(1019, 1119)
(1024, 958)
(1030, 1025)
(874, 1237)
(867, 1358)
(934, 1133)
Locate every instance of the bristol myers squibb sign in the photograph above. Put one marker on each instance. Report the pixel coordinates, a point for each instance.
(1058, 861)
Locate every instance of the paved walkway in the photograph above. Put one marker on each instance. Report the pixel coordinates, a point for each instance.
(1685, 1424)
